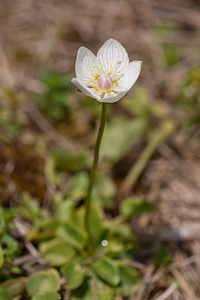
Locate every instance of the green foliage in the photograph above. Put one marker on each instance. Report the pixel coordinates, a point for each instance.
(141, 106)
(107, 269)
(189, 99)
(104, 190)
(63, 210)
(4, 295)
(57, 252)
(170, 51)
(84, 292)
(134, 206)
(66, 160)
(171, 55)
(67, 246)
(43, 281)
(85, 268)
(31, 209)
(163, 256)
(8, 244)
(47, 296)
(96, 223)
(119, 137)
(74, 274)
(54, 100)
(1, 257)
(73, 235)
(15, 286)
(78, 186)
(130, 280)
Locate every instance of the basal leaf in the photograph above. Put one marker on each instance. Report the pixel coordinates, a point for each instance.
(120, 136)
(107, 269)
(134, 206)
(74, 274)
(14, 286)
(43, 281)
(72, 235)
(130, 280)
(47, 296)
(57, 252)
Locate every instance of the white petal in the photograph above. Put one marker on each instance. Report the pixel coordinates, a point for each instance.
(84, 62)
(113, 98)
(112, 53)
(131, 74)
(80, 85)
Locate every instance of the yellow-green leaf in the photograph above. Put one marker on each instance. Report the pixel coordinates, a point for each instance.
(43, 281)
(4, 295)
(1, 257)
(107, 269)
(74, 274)
(47, 296)
(57, 252)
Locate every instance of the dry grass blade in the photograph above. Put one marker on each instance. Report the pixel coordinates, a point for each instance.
(168, 292)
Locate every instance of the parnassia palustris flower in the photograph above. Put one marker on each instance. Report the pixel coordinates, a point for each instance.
(108, 76)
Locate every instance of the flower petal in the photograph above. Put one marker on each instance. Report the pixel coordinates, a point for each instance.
(112, 53)
(84, 62)
(113, 98)
(131, 74)
(80, 85)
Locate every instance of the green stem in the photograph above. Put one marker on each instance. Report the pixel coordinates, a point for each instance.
(93, 171)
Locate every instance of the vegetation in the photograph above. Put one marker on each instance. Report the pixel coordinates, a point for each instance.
(144, 221)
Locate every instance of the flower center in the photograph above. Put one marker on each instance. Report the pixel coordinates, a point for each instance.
(105, 82)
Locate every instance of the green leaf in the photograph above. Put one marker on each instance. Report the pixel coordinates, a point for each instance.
(78, 186)
(163, 256)
(1, 257)
(138, 104)
(74, 274)
(171, 55)
(120, 136)
(4, 295)
(15, 286)
(43, 281)
(130, 280)
(72, 235)
(64, 210)
(84, 292)
(105, 292)
(134, 206)
(57, 252)
(107, 269)
(66, 160)
(96, 222)
(104, 190)
(47, 296)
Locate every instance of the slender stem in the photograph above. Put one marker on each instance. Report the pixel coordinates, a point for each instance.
(93, 171)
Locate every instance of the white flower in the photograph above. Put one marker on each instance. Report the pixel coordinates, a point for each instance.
(108, 76)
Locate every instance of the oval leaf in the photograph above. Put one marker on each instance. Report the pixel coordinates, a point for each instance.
(119, 137)
(72, 235)
(74, 274)
(107, 269)
(134, 206)
(57, 252)
(47, 296)
(15, 286)
(130, 280)
(43, 281)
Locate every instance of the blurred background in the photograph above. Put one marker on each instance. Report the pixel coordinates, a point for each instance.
(151, 147)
